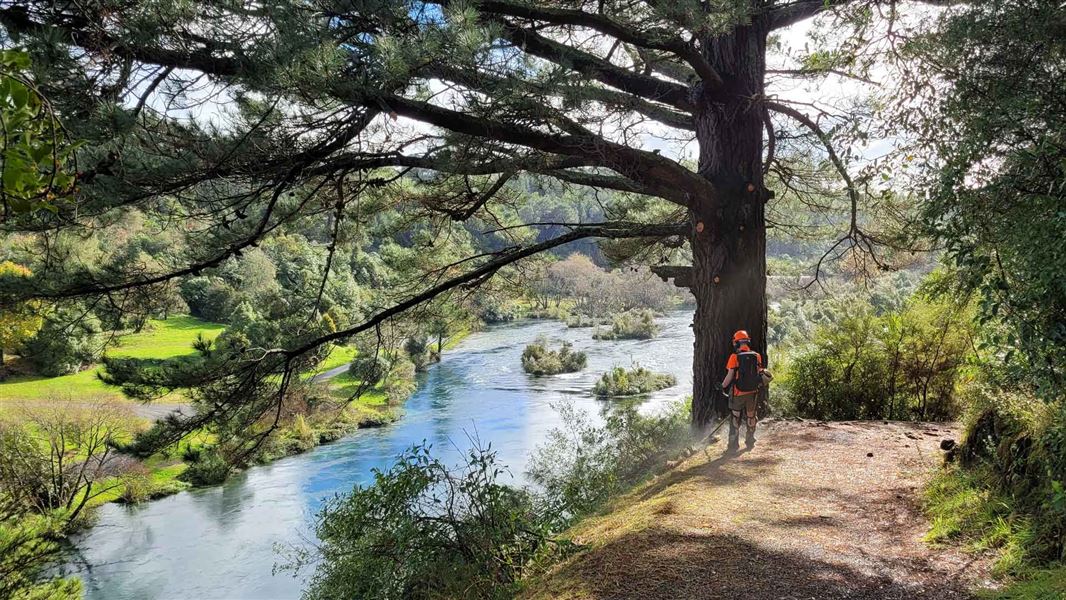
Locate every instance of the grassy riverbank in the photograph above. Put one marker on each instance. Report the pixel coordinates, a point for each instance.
(159, 339)
(356, 407)
(24, 395)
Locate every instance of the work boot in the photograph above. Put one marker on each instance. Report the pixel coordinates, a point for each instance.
(749, 437)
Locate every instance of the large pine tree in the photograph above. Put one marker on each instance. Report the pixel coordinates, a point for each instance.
(328, 93)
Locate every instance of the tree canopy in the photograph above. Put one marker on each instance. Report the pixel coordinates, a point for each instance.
(228, 125)
(986, 108)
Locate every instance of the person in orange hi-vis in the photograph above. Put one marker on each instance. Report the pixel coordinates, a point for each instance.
(745, 376)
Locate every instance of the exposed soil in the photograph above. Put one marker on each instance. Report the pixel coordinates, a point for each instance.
(805, 514)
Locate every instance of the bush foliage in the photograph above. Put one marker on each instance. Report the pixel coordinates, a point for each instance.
(1009, 492)
(208, 468)
(995, 205)
(596, 292)
(582, 465)
(68, 341)
(424, 529)
(418, 352)
(907, 364)
(400, 382)
(429, 529)
(369, 368)
(30, 550)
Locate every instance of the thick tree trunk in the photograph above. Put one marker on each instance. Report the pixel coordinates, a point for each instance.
(729, 249)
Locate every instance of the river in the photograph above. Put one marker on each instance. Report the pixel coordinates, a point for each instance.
(223, 541)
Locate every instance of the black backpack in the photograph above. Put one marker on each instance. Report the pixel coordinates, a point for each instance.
(748, 379)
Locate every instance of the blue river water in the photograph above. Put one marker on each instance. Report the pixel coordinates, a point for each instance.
(224, 541)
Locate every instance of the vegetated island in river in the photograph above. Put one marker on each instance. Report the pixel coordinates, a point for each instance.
(630, 325)
(638, 381)
(539, 359)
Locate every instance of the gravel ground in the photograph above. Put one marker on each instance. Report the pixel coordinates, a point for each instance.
(814, 511)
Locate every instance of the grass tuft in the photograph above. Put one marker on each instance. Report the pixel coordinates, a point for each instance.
(965, 508)
(1047, 584)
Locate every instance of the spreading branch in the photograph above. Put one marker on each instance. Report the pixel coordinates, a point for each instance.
(663, 41)
(855, 238)
(791, 13)
(658, 174)
(590, 65)
(221, 61)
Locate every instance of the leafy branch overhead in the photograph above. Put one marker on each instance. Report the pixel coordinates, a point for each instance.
(228, 126)
(38, 162)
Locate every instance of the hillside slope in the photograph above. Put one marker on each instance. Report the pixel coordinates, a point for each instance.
(805, 514)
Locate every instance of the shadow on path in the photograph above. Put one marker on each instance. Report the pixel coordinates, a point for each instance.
(814, 511)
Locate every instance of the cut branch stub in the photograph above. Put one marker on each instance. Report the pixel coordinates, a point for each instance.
(681, 275)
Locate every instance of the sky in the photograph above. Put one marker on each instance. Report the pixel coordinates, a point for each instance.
(208, 105)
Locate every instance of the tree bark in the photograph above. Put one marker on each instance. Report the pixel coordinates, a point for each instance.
(729, 250)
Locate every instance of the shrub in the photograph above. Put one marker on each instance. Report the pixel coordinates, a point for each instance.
(581, 466)
(538, 359)
(369, 368)
(298, 437)
(640, 288)
(899, 365)
(619, 382)
(210, 298)
(18, 322)
(426, 530)
(1013, 470)
(575, 321)
(400, 382)
(62, 457)
(67, 342)
(301, 430)
(632, 325)
(492, 310)
(417, 349)
(210, 468)
(31, 554)
(596, 291)
(137, 485)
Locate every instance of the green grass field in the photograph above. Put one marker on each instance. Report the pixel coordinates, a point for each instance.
(160, 339)
(166, 339)
(343, 386)
(338, 356)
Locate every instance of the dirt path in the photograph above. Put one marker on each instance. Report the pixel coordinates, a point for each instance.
(330, 374)
(806, 514)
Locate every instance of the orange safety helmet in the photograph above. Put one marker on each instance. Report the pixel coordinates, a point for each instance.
(741, 336)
